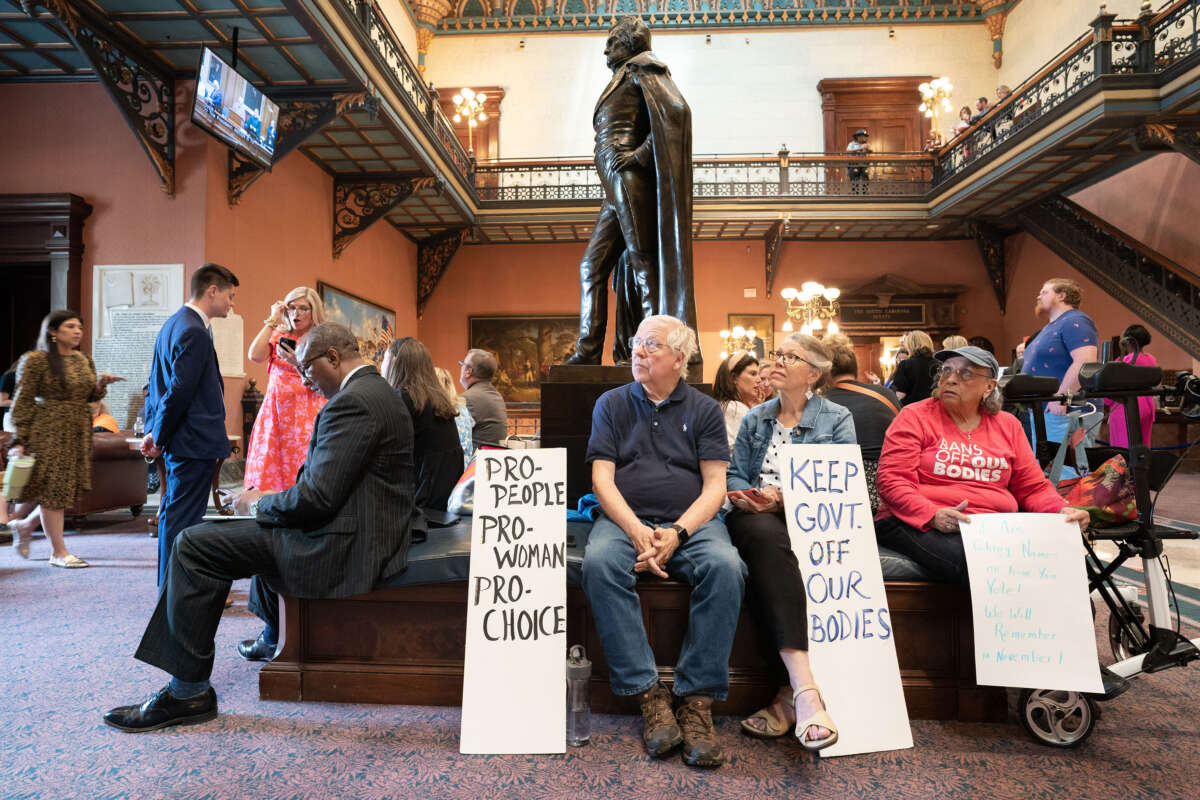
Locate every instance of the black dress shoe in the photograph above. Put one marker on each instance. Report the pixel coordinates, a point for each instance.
(163, 710)
(256, 649)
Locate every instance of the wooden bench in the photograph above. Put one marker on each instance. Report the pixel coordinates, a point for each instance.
(403, 644)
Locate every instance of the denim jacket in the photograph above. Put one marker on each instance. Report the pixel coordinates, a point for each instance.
(822, 422)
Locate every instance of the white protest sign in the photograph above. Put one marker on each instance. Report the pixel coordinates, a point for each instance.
(1029, 601)
(514, 675)
(850, 644)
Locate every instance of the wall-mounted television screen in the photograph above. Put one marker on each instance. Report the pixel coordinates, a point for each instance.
(231, 109)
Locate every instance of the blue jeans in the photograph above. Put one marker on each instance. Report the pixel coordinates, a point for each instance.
(707, 561)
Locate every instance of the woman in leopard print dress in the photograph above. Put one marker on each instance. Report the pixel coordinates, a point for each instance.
(50, 410)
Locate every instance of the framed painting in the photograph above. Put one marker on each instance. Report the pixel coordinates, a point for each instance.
(373, 324)
(764, 327)
(525, 348)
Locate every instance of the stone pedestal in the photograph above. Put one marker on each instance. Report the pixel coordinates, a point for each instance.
(568, 395)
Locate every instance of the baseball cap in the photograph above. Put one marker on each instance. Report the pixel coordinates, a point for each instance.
(976, 355)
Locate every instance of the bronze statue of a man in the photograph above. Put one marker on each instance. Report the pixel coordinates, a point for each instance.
(643, 235)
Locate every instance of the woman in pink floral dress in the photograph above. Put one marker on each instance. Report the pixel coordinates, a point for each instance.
(279, 442)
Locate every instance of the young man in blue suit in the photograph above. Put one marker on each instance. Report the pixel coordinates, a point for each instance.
(185, 407)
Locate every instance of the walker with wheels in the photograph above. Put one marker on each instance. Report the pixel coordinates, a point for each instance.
(1142, 642)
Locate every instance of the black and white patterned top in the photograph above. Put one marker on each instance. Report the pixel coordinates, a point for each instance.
(780, 435)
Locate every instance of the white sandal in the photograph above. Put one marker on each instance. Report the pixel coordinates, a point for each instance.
(819, 718)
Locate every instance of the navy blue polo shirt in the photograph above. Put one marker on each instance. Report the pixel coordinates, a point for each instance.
(657, 450)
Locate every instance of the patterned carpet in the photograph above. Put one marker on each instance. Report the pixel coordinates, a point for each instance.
(65, 657)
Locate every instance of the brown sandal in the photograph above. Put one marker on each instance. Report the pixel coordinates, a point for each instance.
(774, 726)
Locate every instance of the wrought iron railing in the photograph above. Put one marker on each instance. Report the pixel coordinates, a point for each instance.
(421, 102)
(1151, 43)
(1162, 292)
(798, 176)
(1176, 33)
(1067, 75)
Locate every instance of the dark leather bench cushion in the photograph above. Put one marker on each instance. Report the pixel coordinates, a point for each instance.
(444, 557)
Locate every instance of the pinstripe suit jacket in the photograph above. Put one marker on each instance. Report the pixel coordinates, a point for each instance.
(347, 522)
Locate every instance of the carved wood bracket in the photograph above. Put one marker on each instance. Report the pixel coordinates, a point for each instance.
(1188, 143)
(299, 118)
(142, 91)
(773, 244)
(433, 258)
(991, 249)
(358, 204)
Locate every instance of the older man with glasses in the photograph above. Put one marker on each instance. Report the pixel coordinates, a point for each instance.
(658, 453)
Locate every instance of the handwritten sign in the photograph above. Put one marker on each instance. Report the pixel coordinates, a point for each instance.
(514, 675)
(851, 646)
(1029, 601)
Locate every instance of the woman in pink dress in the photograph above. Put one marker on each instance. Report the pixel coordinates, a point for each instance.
(279, 442)
(1133, 340)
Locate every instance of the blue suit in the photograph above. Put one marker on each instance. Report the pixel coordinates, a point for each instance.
(185, 410)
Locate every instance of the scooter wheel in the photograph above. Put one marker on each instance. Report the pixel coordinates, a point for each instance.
(1057, 718)
(1122, 643)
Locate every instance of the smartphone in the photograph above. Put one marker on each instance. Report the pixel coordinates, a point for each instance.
(754, 494)
(289, 341)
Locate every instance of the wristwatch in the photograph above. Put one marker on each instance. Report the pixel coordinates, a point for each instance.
(682, 531)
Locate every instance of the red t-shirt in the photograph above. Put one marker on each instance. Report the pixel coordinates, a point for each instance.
(927, 463)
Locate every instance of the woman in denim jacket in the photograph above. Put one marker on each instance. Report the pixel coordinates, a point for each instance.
(757, 528)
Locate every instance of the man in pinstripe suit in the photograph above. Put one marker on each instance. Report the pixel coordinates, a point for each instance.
(343, 526)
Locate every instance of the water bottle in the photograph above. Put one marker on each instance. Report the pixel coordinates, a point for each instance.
(139, 426)
(579, 710)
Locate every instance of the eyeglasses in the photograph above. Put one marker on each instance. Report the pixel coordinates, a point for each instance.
(964, 374)
(649, 345)
(300, 309)
(789, 359)
(307, 363)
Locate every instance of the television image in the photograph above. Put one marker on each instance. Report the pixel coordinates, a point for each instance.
(231, 109)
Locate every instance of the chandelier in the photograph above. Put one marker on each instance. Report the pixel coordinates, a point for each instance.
(814, 307)
(935, 98)
(737, 339)
(469, 105)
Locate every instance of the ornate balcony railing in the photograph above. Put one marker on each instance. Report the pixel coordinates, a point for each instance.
(1154, 42)
(1176, 33)
(1151, 43)
(421, 102)
(797, 176)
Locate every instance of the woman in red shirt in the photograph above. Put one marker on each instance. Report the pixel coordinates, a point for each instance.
(953, 455)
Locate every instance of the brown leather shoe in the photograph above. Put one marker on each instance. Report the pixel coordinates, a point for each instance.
(660, 734)
(700, 745)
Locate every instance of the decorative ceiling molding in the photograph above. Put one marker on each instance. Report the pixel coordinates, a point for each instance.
(532, 16)
(995, 14)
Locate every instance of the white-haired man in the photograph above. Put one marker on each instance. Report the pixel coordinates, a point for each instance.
(658, 452)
